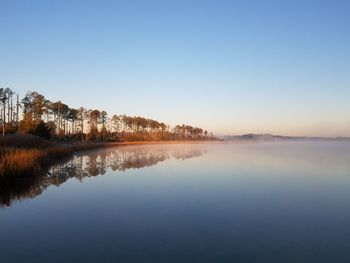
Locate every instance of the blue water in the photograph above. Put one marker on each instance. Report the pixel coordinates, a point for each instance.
(259, 202)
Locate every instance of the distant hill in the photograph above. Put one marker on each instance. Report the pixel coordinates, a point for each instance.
(270, 137)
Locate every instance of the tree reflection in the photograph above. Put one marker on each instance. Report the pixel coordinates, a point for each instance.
(91, 164)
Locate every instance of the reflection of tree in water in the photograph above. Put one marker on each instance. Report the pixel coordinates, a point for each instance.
(92, 164)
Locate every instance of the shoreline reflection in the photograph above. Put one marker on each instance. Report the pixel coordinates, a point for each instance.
(91, 164)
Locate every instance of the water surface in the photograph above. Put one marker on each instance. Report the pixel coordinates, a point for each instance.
(266, 202)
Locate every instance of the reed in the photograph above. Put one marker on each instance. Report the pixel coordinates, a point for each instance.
(22, 155)
(19, 162)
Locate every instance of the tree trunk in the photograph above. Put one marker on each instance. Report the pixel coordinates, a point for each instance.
(17, 112)
(4, 120)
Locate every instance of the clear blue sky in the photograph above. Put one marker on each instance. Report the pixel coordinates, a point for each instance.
(227, 66)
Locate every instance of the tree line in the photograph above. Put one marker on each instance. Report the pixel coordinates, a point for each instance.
(37, 115)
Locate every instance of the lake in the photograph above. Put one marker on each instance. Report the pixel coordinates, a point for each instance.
(256, 202)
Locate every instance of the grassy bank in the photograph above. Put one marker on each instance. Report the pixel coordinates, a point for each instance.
(17, 162)
(22, 155)
(23, 162)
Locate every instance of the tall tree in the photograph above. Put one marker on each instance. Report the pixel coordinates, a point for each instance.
(81, 118)
(93, 121)
(3, 100)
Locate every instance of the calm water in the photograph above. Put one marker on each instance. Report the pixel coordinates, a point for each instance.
(268, 202)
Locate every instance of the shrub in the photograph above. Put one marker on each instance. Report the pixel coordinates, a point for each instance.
(42, 130)
(20, 140)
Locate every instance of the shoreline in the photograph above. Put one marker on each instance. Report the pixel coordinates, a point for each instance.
(34, 155)
(24, 162)
(150, 142)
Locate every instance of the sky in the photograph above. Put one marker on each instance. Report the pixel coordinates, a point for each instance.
(231, 67)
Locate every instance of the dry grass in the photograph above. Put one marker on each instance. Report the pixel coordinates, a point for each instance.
(22, 162)
(23, 154)
(18, 162)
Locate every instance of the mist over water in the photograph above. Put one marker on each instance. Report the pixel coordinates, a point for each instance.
(262, 202)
